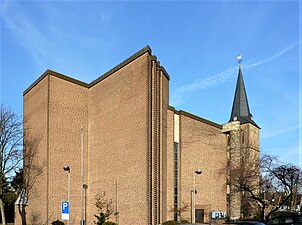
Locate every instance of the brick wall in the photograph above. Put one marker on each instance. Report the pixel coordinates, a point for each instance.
(118, 142)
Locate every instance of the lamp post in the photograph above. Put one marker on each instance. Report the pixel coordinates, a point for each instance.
(191, 204)
(67, 169)
(84, 205)
(198, 171)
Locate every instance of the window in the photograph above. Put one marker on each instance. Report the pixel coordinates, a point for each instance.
(228, 140)
(175, 179)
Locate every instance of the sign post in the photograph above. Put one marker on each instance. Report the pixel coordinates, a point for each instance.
(65, 210)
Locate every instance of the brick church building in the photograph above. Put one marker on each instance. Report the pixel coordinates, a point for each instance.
(119, 135)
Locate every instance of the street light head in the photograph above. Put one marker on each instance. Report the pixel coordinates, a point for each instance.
(66, 168)
(198, 171)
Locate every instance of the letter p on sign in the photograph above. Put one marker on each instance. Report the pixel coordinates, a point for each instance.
(65, 210)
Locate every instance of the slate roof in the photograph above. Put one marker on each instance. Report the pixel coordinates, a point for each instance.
(241, 111)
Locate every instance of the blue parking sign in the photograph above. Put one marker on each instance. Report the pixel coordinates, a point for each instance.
(65, 207)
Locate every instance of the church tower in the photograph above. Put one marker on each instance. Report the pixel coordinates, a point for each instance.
(243, 146)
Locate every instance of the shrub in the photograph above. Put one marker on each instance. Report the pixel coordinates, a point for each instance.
(57, 222)
(109, 223)
(105, 209)
(170, 222)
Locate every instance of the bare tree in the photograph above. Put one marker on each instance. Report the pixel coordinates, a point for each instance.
(267, 186)
(181, 209)
(286, 181)
(10, 148)
(32, 169)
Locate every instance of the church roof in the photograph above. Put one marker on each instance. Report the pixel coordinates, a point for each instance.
(241, 111)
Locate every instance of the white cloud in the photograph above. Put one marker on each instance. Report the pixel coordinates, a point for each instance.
(216, 79)
(177, 97)
(280, 131)
(51, 41)
(25, 32)
(272, 57)
(287, 154)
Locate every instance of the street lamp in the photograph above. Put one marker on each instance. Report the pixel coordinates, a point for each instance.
(196, 172)
(67, 169)
(83, 221)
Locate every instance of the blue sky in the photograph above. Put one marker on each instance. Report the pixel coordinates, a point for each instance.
(196, 41)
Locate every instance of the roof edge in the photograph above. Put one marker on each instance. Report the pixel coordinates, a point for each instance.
(165, 72)
(250, 122)
(171, 108)
(58, 75)
(83, 84)
(161, 68)
(211, 123)
(122, 64)
(192, 116)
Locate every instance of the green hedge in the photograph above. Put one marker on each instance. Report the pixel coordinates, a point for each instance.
(109, 223)
(172, 222)
(57, 222)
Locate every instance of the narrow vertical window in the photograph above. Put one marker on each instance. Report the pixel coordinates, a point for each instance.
(242, 137)
(228, 140)
(175, 180)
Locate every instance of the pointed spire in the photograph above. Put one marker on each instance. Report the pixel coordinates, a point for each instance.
(241, 111)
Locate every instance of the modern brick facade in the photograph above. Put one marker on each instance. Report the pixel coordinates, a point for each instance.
(138, 149)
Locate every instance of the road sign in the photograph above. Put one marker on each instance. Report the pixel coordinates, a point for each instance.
(65, 210)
